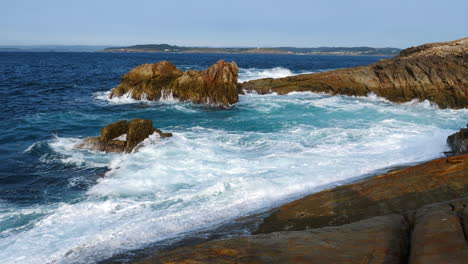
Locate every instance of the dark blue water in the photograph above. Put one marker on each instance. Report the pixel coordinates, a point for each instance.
(220, 164)
(43, 94)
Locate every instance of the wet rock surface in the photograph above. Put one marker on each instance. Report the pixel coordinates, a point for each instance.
(122, 136)
(216, 85)
(376, 240)
(432, 234)
(437, 72)
(341, 225)
(458, 142)
(395, 192)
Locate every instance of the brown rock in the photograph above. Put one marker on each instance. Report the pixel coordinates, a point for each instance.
(137, 131)
(458, 142)
(438, 235)
(396, 192)
(378, 240)
(216, 85)
(134, 132)
(437, 72)
(113, 130)
(98, 144)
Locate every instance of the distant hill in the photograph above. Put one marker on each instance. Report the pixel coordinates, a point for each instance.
(49, 48)
(272, 50)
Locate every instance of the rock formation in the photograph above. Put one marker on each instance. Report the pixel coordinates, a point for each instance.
(122, 136)
(395, 192)
(432, 234)
(437, 72)
(395, 218)
(216, 85)
(458, 142)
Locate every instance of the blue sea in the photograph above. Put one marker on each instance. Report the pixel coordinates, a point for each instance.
(59, 204)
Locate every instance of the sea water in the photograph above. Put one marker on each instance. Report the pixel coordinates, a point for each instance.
(59, 204)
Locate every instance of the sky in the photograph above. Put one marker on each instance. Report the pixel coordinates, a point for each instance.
(237, 23)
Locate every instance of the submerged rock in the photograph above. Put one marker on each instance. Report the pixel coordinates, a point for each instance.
(437, 72)
(458, 142)
(122, 136)
(216, 85)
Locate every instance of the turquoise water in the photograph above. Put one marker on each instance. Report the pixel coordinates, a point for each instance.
(59, 204)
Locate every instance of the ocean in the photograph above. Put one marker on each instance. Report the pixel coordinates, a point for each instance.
(59, 204)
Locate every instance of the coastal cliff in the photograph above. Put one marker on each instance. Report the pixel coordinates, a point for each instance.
(216, 85)
(437, 72)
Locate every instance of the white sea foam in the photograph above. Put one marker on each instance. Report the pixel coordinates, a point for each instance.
(203, 176)
(124, 99)
(254, 73)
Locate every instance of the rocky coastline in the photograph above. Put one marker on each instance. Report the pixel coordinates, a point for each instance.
(416, 215)
(437, 72)
(412, 215)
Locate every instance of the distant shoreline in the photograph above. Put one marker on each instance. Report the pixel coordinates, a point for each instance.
(339, 51)
(246, 53)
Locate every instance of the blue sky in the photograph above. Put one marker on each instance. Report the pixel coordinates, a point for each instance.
(377, 23)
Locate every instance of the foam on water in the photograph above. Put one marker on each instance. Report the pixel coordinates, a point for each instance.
(205, 176)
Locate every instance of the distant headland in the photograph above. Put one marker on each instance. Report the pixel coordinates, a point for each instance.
(259, 50)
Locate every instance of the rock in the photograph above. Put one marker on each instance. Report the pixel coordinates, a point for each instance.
(377, 240)
(98, 144)
(113, 130)
(437, 72)
(395, 192)
(137, 131)
(122, 136)
(438, 235)
(458, 142)
(216, 85)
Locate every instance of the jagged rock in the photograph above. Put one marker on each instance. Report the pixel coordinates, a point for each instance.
(395, 192)
(437, 72)
(458, 142)
(216, 85)
(377, 240)
(111, 138)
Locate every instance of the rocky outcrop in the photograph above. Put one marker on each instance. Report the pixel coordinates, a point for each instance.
(216, 85)
(396, 192)
(439, 234)
(458, 142)
(433, 234)
(437, 72)
(122, 136)
(376, 240)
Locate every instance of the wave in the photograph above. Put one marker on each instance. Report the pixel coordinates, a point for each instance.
(277, 72)
(62, 150)
(280, 148)
(124, 99)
